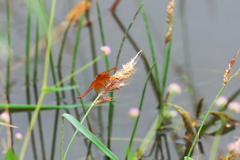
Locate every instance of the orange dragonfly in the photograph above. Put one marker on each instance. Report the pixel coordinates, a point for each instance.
(99, 82)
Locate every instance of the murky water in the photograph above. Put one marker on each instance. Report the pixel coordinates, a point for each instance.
(206, 36)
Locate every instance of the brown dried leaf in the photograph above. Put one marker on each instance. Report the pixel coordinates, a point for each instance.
(78, 10)
(187, 121)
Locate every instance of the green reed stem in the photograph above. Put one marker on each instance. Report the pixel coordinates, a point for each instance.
(126, 34)
(57, 94)
(62, 46)
(150, 41)
(36, 53)
(28, 33)
(136, 48)
(83, 106)
(27, 77)
(140, 109)
(111, 107)
(167, 53)
(74, 135)
(9, 50)
(102, 33)
(208, 112)
(203, 122)
(80, 25)
(92, 42)
(44, 84)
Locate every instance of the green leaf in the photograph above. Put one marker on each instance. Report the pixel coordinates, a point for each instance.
(10, 155)
(89, 136)
(55, 89)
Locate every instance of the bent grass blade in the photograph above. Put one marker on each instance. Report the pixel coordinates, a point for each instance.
(81, 128)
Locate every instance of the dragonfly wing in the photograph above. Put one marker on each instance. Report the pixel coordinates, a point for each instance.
(99, 85)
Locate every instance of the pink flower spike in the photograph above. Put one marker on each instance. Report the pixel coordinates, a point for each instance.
(234, 106)
(18, 136)
(234, 147)
(221, 101)
(106, 50)
(5, 117)
(174, 88)
(133, 112)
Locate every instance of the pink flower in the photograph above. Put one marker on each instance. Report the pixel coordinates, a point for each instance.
(234, 106)
(133, 112)
(5, 117)
(174, 88)
(221, 101)
(18, 136)
(106, 50)
(234, 146)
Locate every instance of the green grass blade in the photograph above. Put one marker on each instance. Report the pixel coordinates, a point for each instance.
(44, 81)
(81, 128)
(102, 33)
(35, 69)
(126, 34)
(56, 89)
(80, 25)
(78, 71)
(140, 109)
(33, 106)
(111, 107)
(150, 41)
(11, 155)
(9, 50)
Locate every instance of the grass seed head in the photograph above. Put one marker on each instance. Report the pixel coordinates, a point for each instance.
(104, 100)
(121, 77)
(228, 70)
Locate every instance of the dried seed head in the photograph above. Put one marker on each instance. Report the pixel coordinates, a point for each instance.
(168, 35)
(122, 76)
(228, 70)
(170, 9)
(104, 100)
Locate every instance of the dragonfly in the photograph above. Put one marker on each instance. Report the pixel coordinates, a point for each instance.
(99, 82)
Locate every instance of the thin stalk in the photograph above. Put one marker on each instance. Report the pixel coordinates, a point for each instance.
(36, 53)
(59, 64)
(77, 71)
(28, 34)
(203, 122)
(110, 121)
(39, 123)
(216, 140)
(150, 41)
(9, 51)
(74, 58)
(95, 72)
(27, 78)
(57, 110)
(44, 84)
(62, 46)
(28, 135)
(74, 135)
(208, 112)
(140, 109)
(167, 53)
(111, 107)
(126, 35)
(136, 48)
(102, 33)
(84, 108)
(92, 43)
